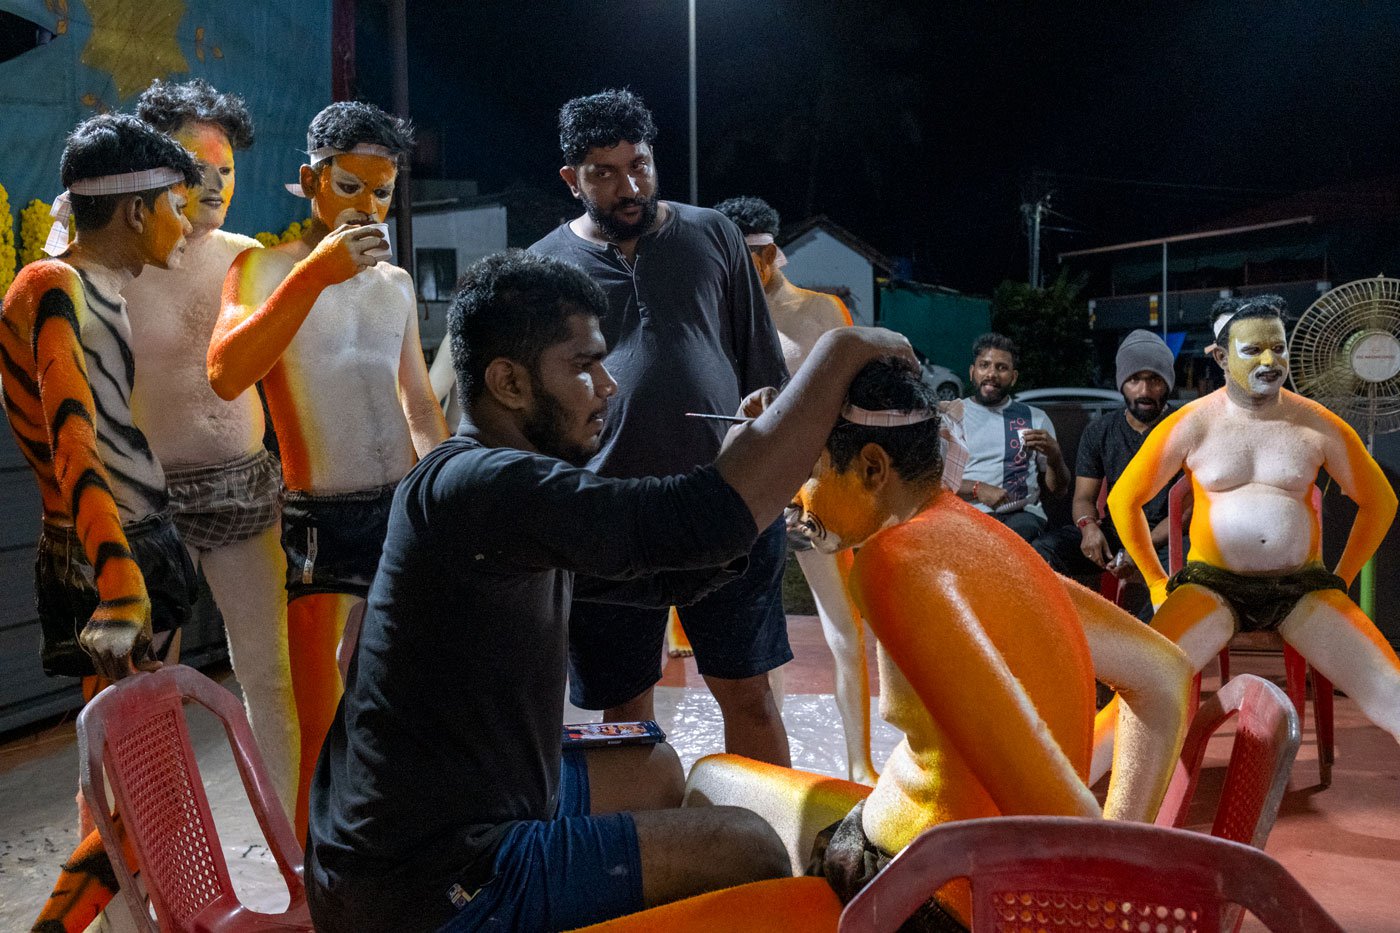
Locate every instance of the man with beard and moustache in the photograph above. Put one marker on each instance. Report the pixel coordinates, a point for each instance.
(1010, 444)
(689, 331)
(442, 799)
(1146, 375)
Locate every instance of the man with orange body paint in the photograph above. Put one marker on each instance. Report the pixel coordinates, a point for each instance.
(801, 316)
(333, 333)
(225, 486)
(1253, 450)
(987, 663)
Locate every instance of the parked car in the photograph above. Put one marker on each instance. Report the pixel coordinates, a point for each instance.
(1093, 401)
(942, 380)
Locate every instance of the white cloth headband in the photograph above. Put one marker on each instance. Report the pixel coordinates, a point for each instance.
(325, 153)
(147, 179)
(764, 239)
(1222, 322)
(896, 418)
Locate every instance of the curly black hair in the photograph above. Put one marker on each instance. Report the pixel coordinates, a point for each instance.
(347, 123)
(603, 120)
(915, 451)
(168, 106)
(993, 341)
(114, 144)
(1242, 309)
(514, 304)
(750, 215)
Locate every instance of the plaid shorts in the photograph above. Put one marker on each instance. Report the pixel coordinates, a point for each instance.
(224, 503)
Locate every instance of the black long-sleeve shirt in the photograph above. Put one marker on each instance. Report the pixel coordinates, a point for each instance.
(449, 730)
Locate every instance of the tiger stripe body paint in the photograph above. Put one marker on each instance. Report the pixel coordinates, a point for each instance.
(94, 469)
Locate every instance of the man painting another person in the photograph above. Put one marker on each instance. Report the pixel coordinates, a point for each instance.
(1011, 445)
(439, 798)
(333, 333)
(689, 332)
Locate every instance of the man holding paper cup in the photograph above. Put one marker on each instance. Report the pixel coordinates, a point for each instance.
(1011, 445)
(331, 330)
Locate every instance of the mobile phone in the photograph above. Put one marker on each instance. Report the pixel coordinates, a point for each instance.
(602, 734)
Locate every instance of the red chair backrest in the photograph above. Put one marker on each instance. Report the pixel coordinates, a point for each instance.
(136, 729)
(1266, 742)
(1038, 872)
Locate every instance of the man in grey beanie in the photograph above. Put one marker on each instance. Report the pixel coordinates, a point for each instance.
(1146, 376)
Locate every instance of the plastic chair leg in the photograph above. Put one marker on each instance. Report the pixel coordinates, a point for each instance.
(1296, 669)
(1322, 709)
(1195, 702)
(1224, 661)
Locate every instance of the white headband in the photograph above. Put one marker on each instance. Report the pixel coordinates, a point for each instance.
(1223, 322)
(764, 239)
(126, 183)
(326, 153)
(896, 418)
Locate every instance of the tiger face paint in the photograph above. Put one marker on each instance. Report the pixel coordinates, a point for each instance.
(208, 202)
(351, 189)
(163, 237)
(837, 510)
(1258, 356)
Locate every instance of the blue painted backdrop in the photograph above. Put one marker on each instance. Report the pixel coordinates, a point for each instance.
(276, 55)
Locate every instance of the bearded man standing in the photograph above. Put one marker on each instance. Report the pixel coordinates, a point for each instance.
(689, 332)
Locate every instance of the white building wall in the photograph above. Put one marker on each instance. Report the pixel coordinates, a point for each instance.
(473, 232)
(818, 259)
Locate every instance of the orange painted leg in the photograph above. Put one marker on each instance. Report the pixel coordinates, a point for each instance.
(314, 626)
(1200, 623)
(85, 887)
(677, 642)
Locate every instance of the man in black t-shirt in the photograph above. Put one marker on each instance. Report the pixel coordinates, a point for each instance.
(441, 799)
(1146, 376)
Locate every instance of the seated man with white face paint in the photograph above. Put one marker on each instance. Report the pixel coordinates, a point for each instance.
(1253, 450)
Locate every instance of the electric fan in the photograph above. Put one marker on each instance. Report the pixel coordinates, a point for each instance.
(1345, 354)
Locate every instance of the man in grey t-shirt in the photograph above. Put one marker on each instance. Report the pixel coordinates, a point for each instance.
(688, 331)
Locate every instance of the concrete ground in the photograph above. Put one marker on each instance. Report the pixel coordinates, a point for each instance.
(1341, 842)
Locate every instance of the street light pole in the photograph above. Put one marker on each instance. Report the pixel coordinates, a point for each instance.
(694, 154)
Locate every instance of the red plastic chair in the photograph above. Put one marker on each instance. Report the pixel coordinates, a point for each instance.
(1295, 666)
(1261, 759)
(136, 730)
(1111, 586)
(1053, 872)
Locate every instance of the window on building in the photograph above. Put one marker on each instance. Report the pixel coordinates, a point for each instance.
(437, 273)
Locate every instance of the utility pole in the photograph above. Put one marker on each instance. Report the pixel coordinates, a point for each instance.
(403, 188)
(1035, 203)
(694, 139)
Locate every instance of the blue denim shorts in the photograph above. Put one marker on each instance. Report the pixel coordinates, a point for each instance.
(559, 874)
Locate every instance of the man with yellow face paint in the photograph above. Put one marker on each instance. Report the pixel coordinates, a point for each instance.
(332, 332)
(1253, 450)
(225, 487)
(987, 661)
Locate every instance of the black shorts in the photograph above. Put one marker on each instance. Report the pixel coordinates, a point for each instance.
(333, 542)
(66, 597)
(1260, 603)
(737, 631)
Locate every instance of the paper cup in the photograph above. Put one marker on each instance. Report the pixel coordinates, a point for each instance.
(383, 252)
(1021, 435)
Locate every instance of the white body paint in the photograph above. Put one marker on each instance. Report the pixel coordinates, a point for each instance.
(344, 364)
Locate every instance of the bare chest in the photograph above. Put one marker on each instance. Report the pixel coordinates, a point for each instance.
(1239, 451)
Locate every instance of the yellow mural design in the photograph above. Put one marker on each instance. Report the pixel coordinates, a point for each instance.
(134, 41)
(7, 242)
(34, 224)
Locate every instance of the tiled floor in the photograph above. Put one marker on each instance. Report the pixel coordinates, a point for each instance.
(1342, 842)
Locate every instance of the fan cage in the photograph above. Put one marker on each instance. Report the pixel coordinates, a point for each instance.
(1320, 353)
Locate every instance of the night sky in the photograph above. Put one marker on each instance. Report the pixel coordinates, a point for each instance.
(922, 126)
